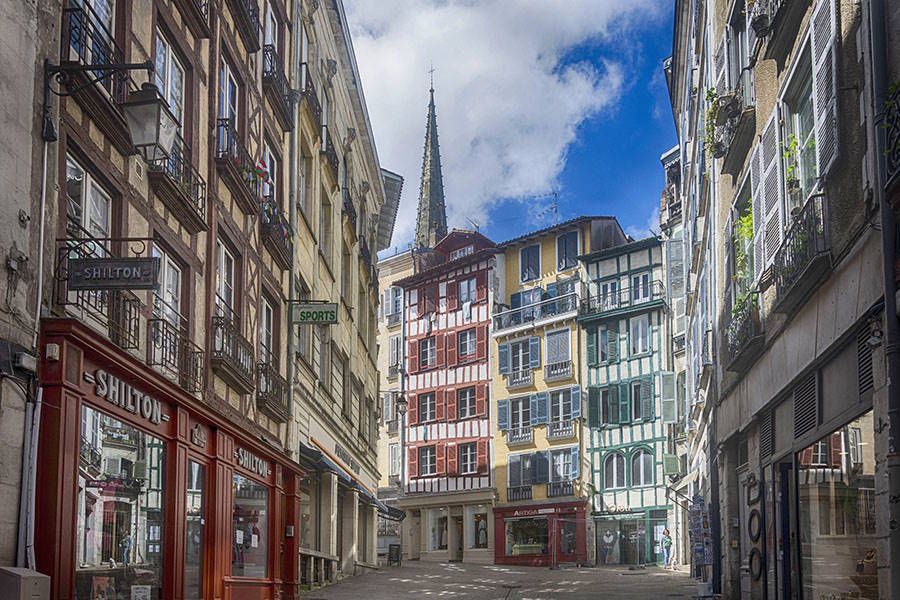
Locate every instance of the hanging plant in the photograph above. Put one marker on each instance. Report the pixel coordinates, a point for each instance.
(741, 238)
(714, 146)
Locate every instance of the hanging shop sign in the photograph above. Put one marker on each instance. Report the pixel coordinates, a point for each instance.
(112, 273)
(118, 392)
(251, 462)
(314, 313)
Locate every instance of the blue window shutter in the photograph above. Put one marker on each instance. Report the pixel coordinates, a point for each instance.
(503, 415)
(540, 467)
(576, 464)
(503, 358)
(515, 300)
(534, 351)
(543, 402)
(576, 402)
(538, 408)
(594, 409)
(551, 290)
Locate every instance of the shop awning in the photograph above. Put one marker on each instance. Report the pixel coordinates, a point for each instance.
(322, 461)
(684, 481)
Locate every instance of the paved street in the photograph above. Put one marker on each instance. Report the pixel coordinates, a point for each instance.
(486, 582)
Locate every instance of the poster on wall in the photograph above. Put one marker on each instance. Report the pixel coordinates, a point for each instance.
(140, 592)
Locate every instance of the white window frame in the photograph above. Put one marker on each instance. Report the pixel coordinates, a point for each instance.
(225, 271)
(427, 460)
(427, 352)
(561, 465)
(537, 276)
(430, 412)
(394, 459)
(524, 356)
(639, 476)
(641, 288)
(468, 458)
(266, 331)
(559, 399)
(468, 339)
(228, 90)
(387, 407)
(616, 475)
(271, 28)
(394, 351)
(163, 74)
(640, 343)
(818, 453)
(609, 294)
(466, 403)
(270, 184)
(89, 220)
(637, 405)
(523, 461)
(460, 252)
(468, 292)
(577, 245)
(518, 409)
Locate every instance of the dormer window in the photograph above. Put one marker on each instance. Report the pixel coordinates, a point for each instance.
(460, 252)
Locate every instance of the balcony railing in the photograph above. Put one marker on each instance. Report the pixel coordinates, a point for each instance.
(246, 20)
(272, 391)
(237, 166)
(561, 429)
(232, 353)
(393, 319)
(519, 435)
(180, 187)
(544, 309)
(329, 152)
(736, 113)
(364, 251)
(120, 435)
(348, 208)
(558, 370)
(170, 349)
(623, 299)
(276, 233)
(892, 139)
(520, 492)
(556, 489)
(519, 379)
(393, 370)
(90, 455)
(196, 14)
(276, 85)
(803, 256)
(745, 334)
(308, 89)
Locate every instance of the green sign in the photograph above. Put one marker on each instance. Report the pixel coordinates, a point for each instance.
(314, 313)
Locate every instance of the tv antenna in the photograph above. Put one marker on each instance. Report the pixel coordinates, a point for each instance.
(473, 223)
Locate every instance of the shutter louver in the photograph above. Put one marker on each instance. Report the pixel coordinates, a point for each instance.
(503, 359)
(539, 413)
(612, 333)
(756, 191)
(824, 58)
(450, 348)
(481, 286)
(613, 404)
(772, 190)
(624, 403)
(576, 401)
(482, 449)
(450, 400)
(440, 463)
(646, 398)
(594, 409)
(576, 464)
(413, 363)
(440, 408)
(481, 342)
(806, 405)
(413, 462)
(480, 399)
(452, 295)
(592, 347)
(502, 415)
(534, 351)
(540, 467)
(452, 452)
(412, 416)
(766, 435)
(720, 66)
(865, 375)
(439, 357)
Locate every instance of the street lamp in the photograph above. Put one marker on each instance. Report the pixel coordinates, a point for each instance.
(402, 404)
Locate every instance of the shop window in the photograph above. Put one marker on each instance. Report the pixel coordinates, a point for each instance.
(438, 522)
(614, 471)
(427, 407)
(641, 468)
(465, 403)
(568, 536)
(468, 459)
(195, 531)
(519, 470)
(427, 353)
(477, 518)
(526, 537)
(530, 263)
(567, 251)
(427, 461)
(250, 525)
(466, 342)
(120, 511)
(309, 493)
(837, 513)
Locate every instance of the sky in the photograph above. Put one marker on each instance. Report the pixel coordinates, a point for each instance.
(535, 100)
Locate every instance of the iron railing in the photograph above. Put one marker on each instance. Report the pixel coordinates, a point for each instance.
(393, 370)
(308, 89)
(272, 390)
(231, 350)
(393, 319)
(517, 379)
(627, 297)
(348, 208)
(328, 150)
(539, 310)
(558, 370)
(743, 326)
(561, 429)
(120, 435)
(246, 17)
(556, 489)
(274, 80)
(892, 138)
(230, 147)
(520, 435)
(170, 349)
(276, 231)
(805, 240)
(87, 40)
(89, 454)
(181, 172)
(519, 492)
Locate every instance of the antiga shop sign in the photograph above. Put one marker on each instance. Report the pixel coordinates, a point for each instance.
(530, 512)
(118, 392)
(251, 462)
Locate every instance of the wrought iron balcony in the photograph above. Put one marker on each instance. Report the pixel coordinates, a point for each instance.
(276, 232)
(232, 353)
(277, 88)
(196, 15)
(804, 255)
(393, 370)
(519, 379)
(329, 152)
(779, 21)
(519, 435)
(170, 349)
(393, 426)
(272, 391)
(364, 251)
(246, 20)
(625, 300)
(180, 187)
(90, 456)
(393, 319)
(308, 90)
(348, 208)
(120, 435)
(745, 334)
(558, 370)
(545, 309)
(87, 41)
(892, 139)
(519, 492)
(558, 430)
(556, 489)
(737, 111)
(236, 166)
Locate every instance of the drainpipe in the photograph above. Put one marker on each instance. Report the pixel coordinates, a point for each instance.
(892, 333)
(292, 210)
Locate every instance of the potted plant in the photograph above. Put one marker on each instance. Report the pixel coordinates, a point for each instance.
(713, 142)
(758, 12)
(791, 179)
(729, 107)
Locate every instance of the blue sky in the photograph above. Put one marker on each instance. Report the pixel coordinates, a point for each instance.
(531, 97)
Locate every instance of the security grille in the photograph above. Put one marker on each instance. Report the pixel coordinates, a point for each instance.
(865, 376)
(806, 404)
(767, 434)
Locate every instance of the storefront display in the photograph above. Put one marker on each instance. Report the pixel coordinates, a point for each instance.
(633, 539)
(195, 531)
(250, 528)
(527, 536)
(477, 520)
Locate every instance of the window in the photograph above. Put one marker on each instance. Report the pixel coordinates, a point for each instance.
(266, 332)
(466, 343)
(640, 334)
(465, 402)
(467, 291)
(426, 353)
(307, 182)
(324, 356)
(224, 280)
(637, 412)
(603, 343)
(346, 274)
(270, 177)
(609, 295)
(519, 470)
(271, 30)
(394, 460)
(195, 530)
(393, 296)
(640, 288)
(394, 351)
(519, 355)
(821, 453)
(614, 471)
(324, 118)
(339, 380)
(468, 459)
(739, 245)
(325, 217)
(460, 252)
(387, 407)
(426, 407)
(558, 347)
(88, 206)
(567, 251)
(228, 93)
(530, 263)
(641, 468)
(519, 413)
(799, 152)
(250, 528)
(609, 411)
(560, 405)
(304, 336)
(477, 518)
(169, 74)
(427, 461)
(167, 299)
(561, 465)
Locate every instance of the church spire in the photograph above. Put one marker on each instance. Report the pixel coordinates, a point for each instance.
(431, 220)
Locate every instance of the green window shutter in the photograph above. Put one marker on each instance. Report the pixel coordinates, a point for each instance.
(612, 352)
(612, 402)
(592, 347)
(646, 397)
(624, 404)
(594, 407)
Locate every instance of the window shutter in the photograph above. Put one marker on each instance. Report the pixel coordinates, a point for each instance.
(515, 300)
(503, 359)
(452, 454)
(576, 463)
(421, 300)
(824, 55)
(412, 410)
(624, 403)
(837, 448)
(669, 401)
(452, 295)
(612, 402)
(537, 415)
(594, 409)
(413, 462)
(451, 347)
(440, 407)
(482, 449)
(540, 467)
(387, 409)
(720, 65)
(431, 298)
(534, 351)
(450, 399)
(646, 397)
(481, 342)
(612, 334)
(481, 286)
(439, 357)
(413, 363)
(440, 462)
(502, 415)
(480, 399)
(772, 191)
(576, 402)
(592, 347)
(756, 197)
(388, 305)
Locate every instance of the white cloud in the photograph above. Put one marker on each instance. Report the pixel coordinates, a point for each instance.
(650, 227)
(507, 109)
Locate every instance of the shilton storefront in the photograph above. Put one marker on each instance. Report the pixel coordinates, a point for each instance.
(145, 493)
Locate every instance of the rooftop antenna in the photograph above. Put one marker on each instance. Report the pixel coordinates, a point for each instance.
(474, 223)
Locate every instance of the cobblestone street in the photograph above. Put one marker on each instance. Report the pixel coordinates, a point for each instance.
(491, 582)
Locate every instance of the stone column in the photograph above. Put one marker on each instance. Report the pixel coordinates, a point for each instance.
(350, 532)
(328, 514)
(372, 536)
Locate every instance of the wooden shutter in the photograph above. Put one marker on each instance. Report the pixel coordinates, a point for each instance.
(534, 351)
(772, 189)
(481, 286)
(480, 399)
(594, 410)
(450, 348)
(482, 449)
(576, 463)
(576, 401)
(388, 305)
(421, 300)
(624, 403)
(592, 347)
(450, 399)
(481, 342)
(836, 447)
(412, 414)
(646, 398)
(440, 407)
(413, 362)
(502, 415)
(668, 397)
(612, 402)
(440, 358)
(452, 294)
(431, 298)
(539, 412)
(413, 454)
(540, 467)
(440, 461)
(824, 58)
(756, 192)
(612, 341)
(452, 455)
(503, 359)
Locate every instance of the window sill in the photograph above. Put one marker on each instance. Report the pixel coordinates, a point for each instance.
(306, 220)
(327, 264)
(567, 269)
(643, 354)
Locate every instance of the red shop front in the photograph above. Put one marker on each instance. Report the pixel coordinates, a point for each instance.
(144, 492)
(540, 535)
